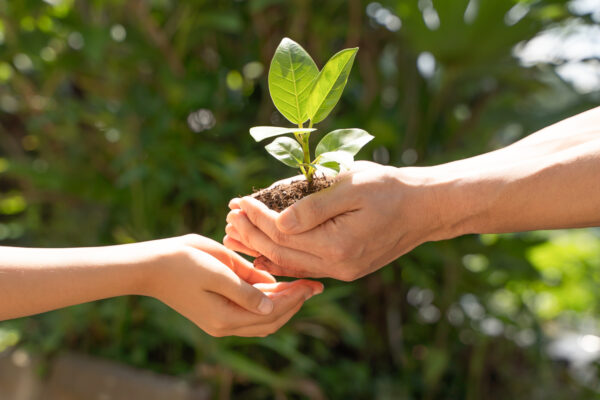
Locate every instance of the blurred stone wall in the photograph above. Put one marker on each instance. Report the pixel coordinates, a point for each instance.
(76, 377)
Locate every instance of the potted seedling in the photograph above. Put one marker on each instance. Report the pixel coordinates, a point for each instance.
(305, 96)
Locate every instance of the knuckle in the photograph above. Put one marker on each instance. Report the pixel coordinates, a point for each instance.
(347, 275)
(279, 237)
(244, 237)
(249, 213)
(230, 218)
(215, 332)
(219, 326)
(356, 273)
(191, 238)
(307, 206)
(228, 242)
(275, 256)
(313, 206)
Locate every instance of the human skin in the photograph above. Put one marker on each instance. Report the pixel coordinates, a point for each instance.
(375, 214)
(210, 285)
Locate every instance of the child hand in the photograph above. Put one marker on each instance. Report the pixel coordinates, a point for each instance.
(213, 287)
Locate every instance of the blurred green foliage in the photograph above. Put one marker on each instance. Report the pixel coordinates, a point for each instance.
(124, 120)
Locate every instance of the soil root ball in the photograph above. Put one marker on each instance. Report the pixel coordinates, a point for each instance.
(282, 196)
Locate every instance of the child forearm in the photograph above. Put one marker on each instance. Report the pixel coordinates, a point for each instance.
(38, 280)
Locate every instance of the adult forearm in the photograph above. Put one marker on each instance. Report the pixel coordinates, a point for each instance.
(38, 280)
(560, 189)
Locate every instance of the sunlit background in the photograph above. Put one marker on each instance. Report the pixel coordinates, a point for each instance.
(123, 121)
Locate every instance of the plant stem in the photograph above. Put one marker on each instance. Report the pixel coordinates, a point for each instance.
(300, 140)
(306, 151)
(308, 173)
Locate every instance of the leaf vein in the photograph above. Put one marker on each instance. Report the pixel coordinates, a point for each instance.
(283, 89)
(295, 89)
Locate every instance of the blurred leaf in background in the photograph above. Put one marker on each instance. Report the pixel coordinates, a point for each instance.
(127, 120)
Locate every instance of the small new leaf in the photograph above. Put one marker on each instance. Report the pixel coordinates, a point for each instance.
(343, 140)
(336, 160)
(262, 132)
(327, 171)
(286, 150)
(329, 85)
(291, 77)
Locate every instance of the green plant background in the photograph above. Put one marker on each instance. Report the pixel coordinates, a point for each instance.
(96, 148)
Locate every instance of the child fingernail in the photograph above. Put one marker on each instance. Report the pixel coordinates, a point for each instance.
(265, 306)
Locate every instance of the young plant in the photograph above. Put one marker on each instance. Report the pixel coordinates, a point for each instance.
(304, 94)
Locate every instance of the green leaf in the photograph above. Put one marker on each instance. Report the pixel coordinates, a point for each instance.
(291, 77)
(332, 169)
(286, 150)
(346, 140)
(262, 132)
(329, 85)
(336, 160)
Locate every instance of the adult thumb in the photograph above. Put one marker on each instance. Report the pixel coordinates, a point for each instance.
(313, 210)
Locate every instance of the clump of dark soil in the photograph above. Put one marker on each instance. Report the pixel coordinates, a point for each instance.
(282, 196)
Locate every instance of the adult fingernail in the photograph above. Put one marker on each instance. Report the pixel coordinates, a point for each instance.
(265, 306)
(288, 220)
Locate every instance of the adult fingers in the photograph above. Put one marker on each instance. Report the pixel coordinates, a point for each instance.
(264, 264)
(235, 245)
(232, 232)
(235, 240)
(234, 204)
(265, 219)
(228, 284)
(317, 208)
(234, 261)
(254, 238)
(247, 272)
(278, 287)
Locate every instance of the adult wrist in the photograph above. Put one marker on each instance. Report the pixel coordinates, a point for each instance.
(464, 196)
(439, 199)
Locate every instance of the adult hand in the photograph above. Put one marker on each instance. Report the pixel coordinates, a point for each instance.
(220, 291)
(369, 217)
(548, 180)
